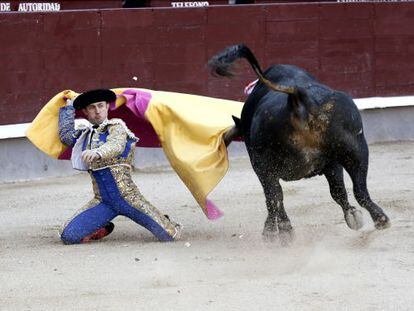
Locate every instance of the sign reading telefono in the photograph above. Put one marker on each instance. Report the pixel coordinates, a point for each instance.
(30, 7)
(189, 4)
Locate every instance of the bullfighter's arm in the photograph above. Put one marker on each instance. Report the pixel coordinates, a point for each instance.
(115, 142)
(67, 132)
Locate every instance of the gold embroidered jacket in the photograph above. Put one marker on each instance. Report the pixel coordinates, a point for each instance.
(112, 140)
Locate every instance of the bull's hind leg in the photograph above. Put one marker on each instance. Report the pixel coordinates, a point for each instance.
(335, 176)
(357, 167)
(277, 218)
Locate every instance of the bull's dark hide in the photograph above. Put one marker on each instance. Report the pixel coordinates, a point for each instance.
(296, 127)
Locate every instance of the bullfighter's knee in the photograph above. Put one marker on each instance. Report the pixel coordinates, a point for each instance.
(69, 237)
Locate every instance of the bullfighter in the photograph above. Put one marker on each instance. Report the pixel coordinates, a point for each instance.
(105, 149)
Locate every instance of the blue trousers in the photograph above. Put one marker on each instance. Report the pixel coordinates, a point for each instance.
(112, 201)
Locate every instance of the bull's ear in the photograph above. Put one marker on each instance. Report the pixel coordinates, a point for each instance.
(236, 121)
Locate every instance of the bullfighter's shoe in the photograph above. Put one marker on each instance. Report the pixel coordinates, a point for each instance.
(100, 233)
(178, 228)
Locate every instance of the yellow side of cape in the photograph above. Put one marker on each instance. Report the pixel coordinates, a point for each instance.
(190, 129)
(43, 132)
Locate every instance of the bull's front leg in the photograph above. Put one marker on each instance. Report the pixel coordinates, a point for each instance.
(277, 218)
(335, 177)
(357, 169)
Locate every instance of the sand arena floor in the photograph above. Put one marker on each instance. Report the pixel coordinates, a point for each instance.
(221, 265)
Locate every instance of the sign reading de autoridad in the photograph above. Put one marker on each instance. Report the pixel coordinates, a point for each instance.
(30, 7)
(5, 7)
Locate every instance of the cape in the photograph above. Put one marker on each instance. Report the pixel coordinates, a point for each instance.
(188, 127)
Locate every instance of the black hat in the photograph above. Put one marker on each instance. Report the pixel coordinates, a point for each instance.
(93, 96)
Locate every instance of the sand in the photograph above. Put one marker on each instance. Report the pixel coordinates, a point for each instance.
(221, 265)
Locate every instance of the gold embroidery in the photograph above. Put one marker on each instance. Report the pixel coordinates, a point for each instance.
(112, 149)
(120, 168)
(130, 193)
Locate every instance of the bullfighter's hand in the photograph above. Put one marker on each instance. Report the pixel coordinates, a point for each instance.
(69, 102)
(89, 156)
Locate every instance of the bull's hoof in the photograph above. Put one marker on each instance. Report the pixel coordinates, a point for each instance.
(286, 237)
(283, 231)
(354, 219)
(270, 230)
(382, 222)
(286, 233)
(269, 236)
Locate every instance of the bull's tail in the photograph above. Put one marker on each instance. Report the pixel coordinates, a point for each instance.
(221, 64)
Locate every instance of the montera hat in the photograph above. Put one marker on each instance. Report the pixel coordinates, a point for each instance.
(93, 96)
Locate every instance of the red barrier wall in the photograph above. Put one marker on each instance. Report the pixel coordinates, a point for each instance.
(366, 49)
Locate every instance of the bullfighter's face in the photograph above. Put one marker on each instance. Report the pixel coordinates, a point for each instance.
(96, 112)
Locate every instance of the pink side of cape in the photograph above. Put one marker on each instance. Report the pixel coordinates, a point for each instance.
(213, 212)
(137, 101)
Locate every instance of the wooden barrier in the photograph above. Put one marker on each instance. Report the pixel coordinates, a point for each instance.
(365, 49)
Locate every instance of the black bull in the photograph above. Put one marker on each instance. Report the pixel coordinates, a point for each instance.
(295, 127)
